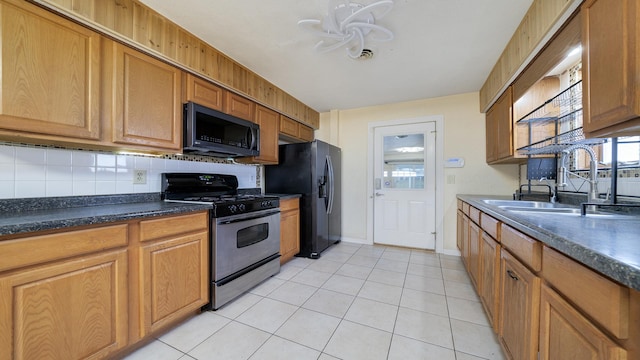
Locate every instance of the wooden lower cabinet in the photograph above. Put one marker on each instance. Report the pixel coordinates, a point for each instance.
(289, 229)
(519, 310)
(95, 292)
(566, 334)
(474, 255)
(464, 237)
(489, 270)
(65, 310)
(174, 270)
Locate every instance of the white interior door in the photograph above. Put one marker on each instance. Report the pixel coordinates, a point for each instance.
(404, 185)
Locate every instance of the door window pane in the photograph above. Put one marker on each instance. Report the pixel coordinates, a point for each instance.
(404, 162)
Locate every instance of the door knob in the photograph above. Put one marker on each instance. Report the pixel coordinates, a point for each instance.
(379, 194)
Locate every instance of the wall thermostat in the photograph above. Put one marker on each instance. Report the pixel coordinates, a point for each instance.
(454, 162)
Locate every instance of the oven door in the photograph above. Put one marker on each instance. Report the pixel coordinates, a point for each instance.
(240, 241)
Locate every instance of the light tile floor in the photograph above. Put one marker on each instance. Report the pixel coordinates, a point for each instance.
(355, 302)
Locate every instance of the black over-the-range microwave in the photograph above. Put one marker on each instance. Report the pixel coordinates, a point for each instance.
(214, 133)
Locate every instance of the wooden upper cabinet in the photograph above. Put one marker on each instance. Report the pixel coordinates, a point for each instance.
(499, 129)
(239, 106)
(268, 121)
(611, 67)
(205, 93)
(143, 105)
(293, 130)
(50, 74)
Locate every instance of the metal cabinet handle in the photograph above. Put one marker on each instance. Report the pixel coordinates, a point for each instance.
(512, 275)
(379, 194)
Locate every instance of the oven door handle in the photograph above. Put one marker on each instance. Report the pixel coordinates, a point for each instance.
(263, 215)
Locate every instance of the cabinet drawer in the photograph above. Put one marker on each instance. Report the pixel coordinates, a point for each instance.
(490, 225)
(460, 203)
(474, 215)
(38, 249)
(289, 204)
(174, 225)
(528, 250)
(600, 298)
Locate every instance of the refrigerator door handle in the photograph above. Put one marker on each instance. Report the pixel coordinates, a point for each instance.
(331, 182)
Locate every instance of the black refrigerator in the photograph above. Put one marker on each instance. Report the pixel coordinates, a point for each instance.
(312, 170)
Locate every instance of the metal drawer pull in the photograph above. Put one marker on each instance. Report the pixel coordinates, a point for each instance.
(512, 275)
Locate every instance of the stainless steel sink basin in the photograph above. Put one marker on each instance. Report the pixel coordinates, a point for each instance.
(520, 203)
(562, 211)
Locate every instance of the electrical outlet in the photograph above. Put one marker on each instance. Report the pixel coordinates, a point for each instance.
(139, 176)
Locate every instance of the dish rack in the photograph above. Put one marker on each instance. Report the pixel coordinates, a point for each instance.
(555, 125)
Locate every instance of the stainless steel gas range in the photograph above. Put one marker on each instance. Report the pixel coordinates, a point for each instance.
(245, 231)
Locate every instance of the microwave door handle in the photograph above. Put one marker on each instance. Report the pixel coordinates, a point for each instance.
(252, 136)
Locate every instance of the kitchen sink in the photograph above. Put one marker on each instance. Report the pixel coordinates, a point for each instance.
(546, 208)
(562, 211)
(520, 203)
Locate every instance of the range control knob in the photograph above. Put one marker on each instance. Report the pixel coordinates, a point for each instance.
(266, 203)
(233, 208)
(241, 207)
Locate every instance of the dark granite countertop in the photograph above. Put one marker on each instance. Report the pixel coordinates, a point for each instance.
(37, 214)
(286, 196)
(609, 246)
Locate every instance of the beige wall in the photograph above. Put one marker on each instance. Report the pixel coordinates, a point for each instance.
(464, 129)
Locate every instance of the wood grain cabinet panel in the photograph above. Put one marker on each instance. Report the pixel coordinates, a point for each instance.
(143, 107)
(65, 310)
(611, 67)
(306, 133)
(567, 334)
(175, 279)
(239, 106)
(489, 277)
(289, 229)
(50, 77)
(520, 308)
(205, 93)
(269, 123)
(499, 129)
(474, 255)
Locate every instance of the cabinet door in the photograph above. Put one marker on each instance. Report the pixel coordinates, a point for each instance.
(464, 240)
(306, 133)
(205, 93)
(489, 277)
(175, 279)
(50, 74)
(474, 255)
(65, 310)
(239, 106)
(520, 307)
(499, 131)
(460, 231)
(611, 66)
(289, 229)
(268, 121)
(144, 105)
(289, 127)
(567, 334)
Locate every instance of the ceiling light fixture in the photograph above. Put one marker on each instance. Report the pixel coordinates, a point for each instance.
(349, 24)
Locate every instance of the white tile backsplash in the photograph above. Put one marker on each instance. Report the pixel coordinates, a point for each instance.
(46, 172)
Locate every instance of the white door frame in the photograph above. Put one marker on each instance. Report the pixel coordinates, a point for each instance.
(439, 120)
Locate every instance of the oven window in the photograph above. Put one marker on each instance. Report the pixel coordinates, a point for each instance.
(253, 234)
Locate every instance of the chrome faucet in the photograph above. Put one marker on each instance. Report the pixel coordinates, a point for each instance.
(593, 170)
(552, 189)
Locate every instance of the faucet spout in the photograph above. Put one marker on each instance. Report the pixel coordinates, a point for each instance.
(593, 169)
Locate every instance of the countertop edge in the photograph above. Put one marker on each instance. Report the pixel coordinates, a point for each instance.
(36, 221)
(615, 269)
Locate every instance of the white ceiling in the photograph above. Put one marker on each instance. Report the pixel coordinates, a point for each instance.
(441, 47)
